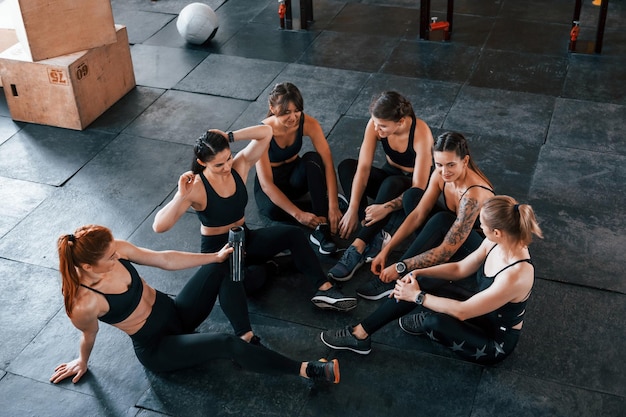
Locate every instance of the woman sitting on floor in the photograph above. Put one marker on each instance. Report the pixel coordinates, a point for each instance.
(100, 284)
(482, 326)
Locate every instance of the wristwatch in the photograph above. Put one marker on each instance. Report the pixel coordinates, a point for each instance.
(400, 267)
(419, 300)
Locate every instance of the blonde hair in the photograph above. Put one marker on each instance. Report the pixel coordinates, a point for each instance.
(517, 220)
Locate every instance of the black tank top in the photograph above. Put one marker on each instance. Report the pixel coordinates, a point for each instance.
(278, 154)
(404, 159)
(510, 314)
(122, 305)
(221, 211)
(445, 203)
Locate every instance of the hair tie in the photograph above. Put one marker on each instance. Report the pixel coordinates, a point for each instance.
(71, 238)
(516, 208)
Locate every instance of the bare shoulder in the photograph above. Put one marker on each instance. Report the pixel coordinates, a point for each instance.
(521, 278)
(86, 310)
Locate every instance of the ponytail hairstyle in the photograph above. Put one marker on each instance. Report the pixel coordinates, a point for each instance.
(456, 142)
(516, 220)
(391, 105)
(207, 146)
(281, 95)
(87, 245)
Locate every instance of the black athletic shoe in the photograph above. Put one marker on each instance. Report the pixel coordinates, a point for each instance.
(323, 370)
(344, 339)
(333, 299)
(413, 323)
(375, 289)
(322, 238)
(343, 203)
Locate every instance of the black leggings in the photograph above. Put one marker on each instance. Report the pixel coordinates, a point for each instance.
(295, 179)
(167, 341)
(384, 184)
(263, 244)
(479, 340)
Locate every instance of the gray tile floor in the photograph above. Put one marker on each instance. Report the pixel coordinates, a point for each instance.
(546, 126)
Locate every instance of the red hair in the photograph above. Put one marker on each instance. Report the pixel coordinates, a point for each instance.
(87, 245)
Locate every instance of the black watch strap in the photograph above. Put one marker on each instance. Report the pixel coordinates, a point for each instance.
(419, 300)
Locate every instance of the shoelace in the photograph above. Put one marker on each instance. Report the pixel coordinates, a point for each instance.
(351, 256)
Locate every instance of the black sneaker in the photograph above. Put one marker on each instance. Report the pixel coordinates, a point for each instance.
(321, 237)
(323, 370)
(344, 339)
(333, 299)
(343, 203)
(413, 323)
(256, 341)
(350, 261)
(375, 289)
(380, 241)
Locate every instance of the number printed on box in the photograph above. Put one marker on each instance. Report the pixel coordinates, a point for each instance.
(57, 76)
(82, 71)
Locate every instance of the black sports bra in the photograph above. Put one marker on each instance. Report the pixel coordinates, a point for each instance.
(122, 305)
(404, 159)
(278, 154)
(510, 314)
(222, 211)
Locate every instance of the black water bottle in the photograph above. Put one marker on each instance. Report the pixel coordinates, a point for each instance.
(236, 240)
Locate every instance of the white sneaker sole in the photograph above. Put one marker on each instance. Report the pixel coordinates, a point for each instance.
(347, 277)
(375, 297)
(319, 246)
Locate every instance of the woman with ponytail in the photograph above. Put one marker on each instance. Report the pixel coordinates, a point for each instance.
(481, 326)
(100, 284)
(216, 189)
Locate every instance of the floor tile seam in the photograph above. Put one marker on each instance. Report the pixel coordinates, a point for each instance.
(583, 286)
(565, 383)
(564, 55)
(577, 148)
(43, 327)
(131, 121)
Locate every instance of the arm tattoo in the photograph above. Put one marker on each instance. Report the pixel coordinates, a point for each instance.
(468, 212)
(395, 204)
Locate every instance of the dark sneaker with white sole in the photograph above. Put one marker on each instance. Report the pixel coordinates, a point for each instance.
(380, 241)
(343, 203)
(322, 238)
(375, 289)
(323, 370)
(333, 299)
(350, 261)
(414, 323)
(343, 339)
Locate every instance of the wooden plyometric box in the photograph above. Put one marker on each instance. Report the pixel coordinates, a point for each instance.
(52, 28)
(70, 91)
(8, 38)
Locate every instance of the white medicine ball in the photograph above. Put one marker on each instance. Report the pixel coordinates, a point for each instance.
(197, 23)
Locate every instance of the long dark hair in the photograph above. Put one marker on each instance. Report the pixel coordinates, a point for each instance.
(456, 142)
(87, 245)
(281, 95)
(207, 146)
(391, 105)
